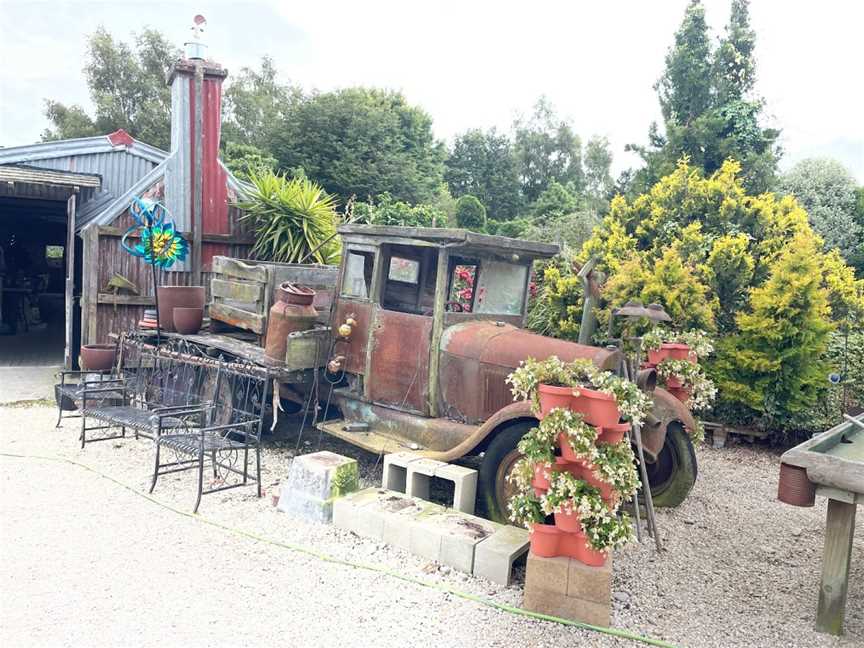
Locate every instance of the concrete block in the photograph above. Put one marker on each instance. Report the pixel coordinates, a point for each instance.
(465, 485)
(567, 607)
(548, 574)
(347, 510)
(424, 540)
(590, 583)
(314, 481)
(395, 474)
(495, 555)
(420, 473)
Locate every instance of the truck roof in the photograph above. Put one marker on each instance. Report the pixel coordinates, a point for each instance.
(450, 237)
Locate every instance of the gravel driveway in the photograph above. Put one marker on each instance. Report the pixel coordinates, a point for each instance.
(85, 562)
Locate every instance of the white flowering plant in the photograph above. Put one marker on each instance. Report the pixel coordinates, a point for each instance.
(530, 373)
(698, 341)
(605, 530)
(615, 464)
(581, 436)
(692, 376)
(568, 494)
(526, 509)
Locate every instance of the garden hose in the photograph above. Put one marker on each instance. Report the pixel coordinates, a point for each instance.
(510, 609)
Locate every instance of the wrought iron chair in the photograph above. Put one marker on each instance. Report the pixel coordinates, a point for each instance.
(68, 392)
(224, 433)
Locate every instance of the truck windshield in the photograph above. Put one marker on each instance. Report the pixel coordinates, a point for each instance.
(500, 288)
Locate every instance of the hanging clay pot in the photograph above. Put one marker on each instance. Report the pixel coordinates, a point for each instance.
(544, 540)
(597, 408)
(552, 396)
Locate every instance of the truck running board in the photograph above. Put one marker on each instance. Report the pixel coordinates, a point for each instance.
(366, 439)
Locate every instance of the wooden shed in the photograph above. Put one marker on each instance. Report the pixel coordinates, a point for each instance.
(90, 183)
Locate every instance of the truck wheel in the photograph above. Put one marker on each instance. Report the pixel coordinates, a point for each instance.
(672, 476)
(500, 456)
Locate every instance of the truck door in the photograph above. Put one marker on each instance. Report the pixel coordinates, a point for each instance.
(402, 329)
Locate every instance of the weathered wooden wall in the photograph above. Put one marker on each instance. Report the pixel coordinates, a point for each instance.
(103, 312)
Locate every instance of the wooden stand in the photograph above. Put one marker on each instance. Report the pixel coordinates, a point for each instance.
(839, 532)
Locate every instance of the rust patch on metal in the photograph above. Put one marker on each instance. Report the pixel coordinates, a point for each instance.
(400, 360)
(354, 348)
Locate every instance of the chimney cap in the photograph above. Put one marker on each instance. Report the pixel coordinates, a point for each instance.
(194, 48)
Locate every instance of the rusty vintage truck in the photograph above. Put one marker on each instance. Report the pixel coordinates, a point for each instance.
(411, 360)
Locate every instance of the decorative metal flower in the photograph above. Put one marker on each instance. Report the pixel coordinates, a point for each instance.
(160, 244)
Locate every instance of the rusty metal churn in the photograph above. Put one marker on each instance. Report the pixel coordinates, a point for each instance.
(293, 311)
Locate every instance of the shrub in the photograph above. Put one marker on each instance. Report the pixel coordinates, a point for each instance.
(470, 214)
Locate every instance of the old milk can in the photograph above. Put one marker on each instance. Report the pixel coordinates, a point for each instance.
(293, 311)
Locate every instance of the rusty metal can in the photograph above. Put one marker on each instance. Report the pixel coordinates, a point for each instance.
(293, 311)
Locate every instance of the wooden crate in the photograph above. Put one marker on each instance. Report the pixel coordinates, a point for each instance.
(242, 291)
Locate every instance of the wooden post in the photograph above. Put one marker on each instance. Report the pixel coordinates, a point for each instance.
(198, 177)
(70, 280)
(439, 313)
(90, 286)
(839, 531)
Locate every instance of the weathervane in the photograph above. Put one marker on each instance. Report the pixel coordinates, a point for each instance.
(195, 49)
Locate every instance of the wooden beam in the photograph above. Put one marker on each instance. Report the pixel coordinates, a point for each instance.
(125, 300)
(839, 532)
(69, 297)
(90, 287)
(239, 239)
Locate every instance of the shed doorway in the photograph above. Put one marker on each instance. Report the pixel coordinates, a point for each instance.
(34, 254)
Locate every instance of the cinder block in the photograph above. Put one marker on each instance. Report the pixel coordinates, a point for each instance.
(396, 470)
(494, 556)
(567, 607)
(590, 583)
(314, 481)
(348, 511)
(420, 473)
(464, 485)
(424, 540)
(547, 574)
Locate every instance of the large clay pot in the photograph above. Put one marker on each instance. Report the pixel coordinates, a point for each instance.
(98, 357)
(293, 311)
(671, 350)
(597, 408)
(171, 297)
(188, 320)
(552, 396)
(544, 540)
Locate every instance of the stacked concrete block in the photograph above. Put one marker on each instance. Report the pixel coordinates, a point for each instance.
(565, 587)
(314, 482)
(412, 474)
(464, 542)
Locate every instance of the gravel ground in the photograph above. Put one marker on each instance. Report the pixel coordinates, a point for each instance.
(85, 562)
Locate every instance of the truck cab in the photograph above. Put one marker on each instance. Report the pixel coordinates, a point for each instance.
(426, 325)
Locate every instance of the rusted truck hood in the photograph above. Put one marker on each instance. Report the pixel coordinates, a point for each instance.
(476, 358)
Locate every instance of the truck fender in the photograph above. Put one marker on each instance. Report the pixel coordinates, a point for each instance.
(520, 410)
(667, 409)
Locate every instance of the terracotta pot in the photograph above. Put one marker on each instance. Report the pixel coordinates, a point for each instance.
(171, 297)
(98, 357)
(567, 453)
(568, 522)
(681, 393)
(613, 434)
(590, 556)
(293, 311)
(568, 543)
(544, 540)
(674, 383)
(795, 487)
(607, 493)
(540, 480)
(671, 350)
(596, 407)
(552, 396)
(187, 320)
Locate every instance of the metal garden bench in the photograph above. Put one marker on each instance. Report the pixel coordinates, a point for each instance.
(198, 410)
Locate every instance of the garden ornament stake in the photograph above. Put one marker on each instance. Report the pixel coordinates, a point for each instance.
(159, 244)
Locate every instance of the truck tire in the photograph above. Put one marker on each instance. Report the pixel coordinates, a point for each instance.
(498, 460)
(672, 476)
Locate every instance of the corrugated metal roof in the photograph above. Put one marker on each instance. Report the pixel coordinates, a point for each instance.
(74, 147)
(38, 175)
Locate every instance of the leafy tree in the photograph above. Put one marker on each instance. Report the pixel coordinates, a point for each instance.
(387, 211)
(245, 160)
(773, 365)
(127, 87)
(685, 88)
(569, 231)
(708, 109)
(255, 105)
(362, 141)
(555, 201)
(547, 150)
(829, 194)
(729, 272)
(470, 214)
(483, 164)
(598, 177)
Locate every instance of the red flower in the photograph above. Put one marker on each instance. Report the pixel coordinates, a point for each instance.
(532, 289)
(466, 294)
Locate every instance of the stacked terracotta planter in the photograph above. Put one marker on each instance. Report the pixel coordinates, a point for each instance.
(565, 537)
(671, 351)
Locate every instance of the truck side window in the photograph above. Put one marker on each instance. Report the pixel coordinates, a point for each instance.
(358, 274)
(460, 294)
(409, 282)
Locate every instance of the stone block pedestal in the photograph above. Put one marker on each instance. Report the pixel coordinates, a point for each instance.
(566, 588)
(314, 482)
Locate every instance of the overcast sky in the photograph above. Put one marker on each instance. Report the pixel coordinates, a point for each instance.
(470, 63)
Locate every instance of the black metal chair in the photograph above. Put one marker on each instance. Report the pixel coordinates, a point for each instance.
(68, 392)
